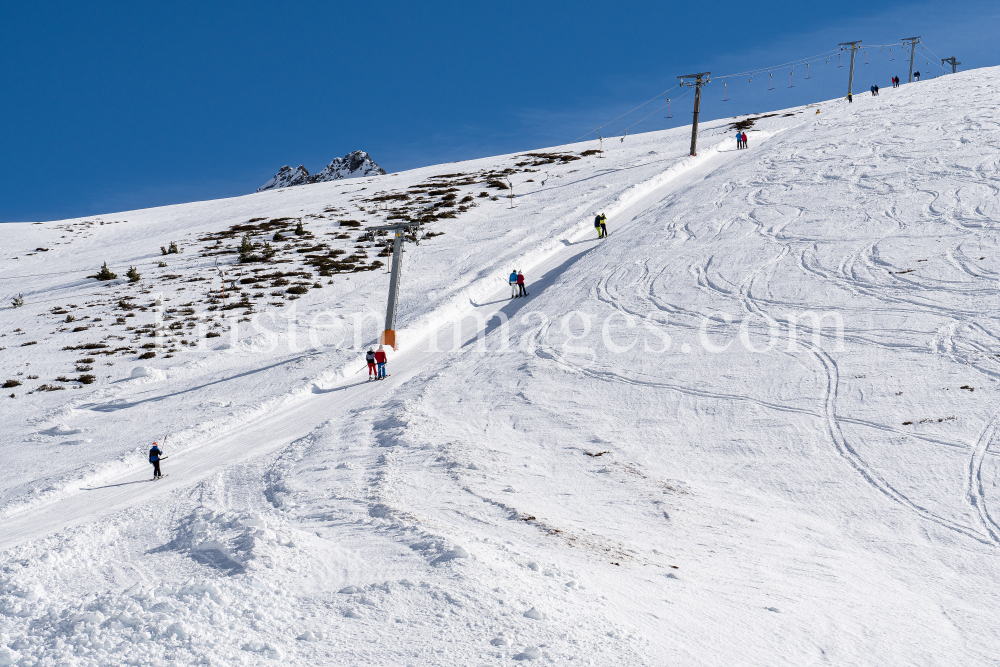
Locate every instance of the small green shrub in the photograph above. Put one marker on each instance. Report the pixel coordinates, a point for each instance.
(147, 355)
(133, 275)
(297, 289)
(246, 249)
(10, 384)
(69, 318)
(86, 379)
(17, 301)
(212, 334)
(105, 273)
(162, 265)
(299, 229)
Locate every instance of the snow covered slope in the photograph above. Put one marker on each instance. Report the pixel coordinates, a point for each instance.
(352, 165)
(753, 426)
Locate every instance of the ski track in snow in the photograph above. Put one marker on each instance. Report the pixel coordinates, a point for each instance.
(816, 501)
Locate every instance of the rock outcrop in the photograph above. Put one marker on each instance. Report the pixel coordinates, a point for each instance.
(352, 165)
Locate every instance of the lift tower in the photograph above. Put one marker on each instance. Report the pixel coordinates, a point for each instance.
(388, 336)
(697, 105)
(951, 61)
(913, 51)
(853, 46)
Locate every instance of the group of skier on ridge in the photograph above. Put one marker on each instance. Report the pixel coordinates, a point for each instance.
(874, 88)
(741, 140)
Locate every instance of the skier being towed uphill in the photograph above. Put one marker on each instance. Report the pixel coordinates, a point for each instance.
(601, 225)
(155, 455)
(380, 360)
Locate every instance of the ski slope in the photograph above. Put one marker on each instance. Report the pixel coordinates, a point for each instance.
(753, 426)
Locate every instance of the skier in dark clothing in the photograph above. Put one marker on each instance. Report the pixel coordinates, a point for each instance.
(876, 90)
(520, 284)
(372, 370)
(917, 75)
(155, 454)
(850, 98)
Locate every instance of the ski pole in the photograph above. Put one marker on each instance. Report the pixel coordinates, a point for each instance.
(361, 369)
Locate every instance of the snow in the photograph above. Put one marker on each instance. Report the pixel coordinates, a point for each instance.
(656, 458)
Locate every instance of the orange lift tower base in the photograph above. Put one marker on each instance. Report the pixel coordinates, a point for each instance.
(388, 336)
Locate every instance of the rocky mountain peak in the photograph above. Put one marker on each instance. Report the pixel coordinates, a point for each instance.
(352, 165)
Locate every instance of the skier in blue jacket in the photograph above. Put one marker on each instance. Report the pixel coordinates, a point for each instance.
(155, 454)
(513, 283)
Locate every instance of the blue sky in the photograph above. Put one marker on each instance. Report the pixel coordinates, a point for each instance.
(109, 106)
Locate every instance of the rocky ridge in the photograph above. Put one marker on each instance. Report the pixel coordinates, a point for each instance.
(352, 165)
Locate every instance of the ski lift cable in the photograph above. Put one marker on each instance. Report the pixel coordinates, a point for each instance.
(620, 117)
(936, 59)
(791, 63)
(660, 109)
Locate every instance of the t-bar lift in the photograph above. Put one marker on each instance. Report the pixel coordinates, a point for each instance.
(388, 336)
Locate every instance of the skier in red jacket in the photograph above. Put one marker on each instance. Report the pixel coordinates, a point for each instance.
(380, 360)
